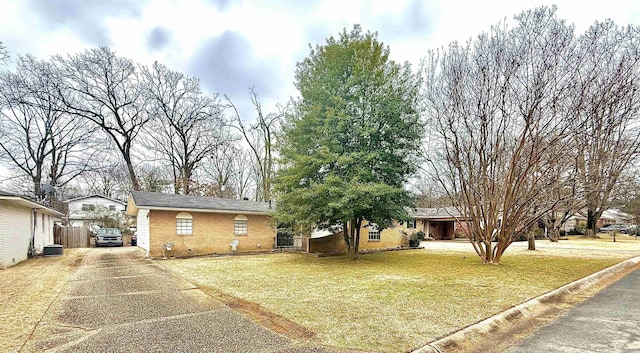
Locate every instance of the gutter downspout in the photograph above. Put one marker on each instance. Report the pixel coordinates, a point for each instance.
(34, 217)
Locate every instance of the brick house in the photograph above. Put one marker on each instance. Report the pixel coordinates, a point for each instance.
(371, 238)
(439, 223)
(200, 225)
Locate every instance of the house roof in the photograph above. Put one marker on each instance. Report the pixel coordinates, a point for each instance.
(28, 203)
(448, 213)
(95, 195)
(614, 215)
(617, 215)
(159, 201)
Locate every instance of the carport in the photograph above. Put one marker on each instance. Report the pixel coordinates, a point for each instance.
(439, 223)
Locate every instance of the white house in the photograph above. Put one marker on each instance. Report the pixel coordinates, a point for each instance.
(25, 228)
(86, 210)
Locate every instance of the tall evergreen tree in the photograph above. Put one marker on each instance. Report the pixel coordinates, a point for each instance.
(349, 148)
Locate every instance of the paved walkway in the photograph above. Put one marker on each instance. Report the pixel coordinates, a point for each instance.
(118, 302)
(608, 322)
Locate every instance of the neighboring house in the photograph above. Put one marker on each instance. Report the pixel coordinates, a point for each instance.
(200, 225)
(371, 238)
(615, 216)
(438, 223)
(442, 223)
(87, 210)
(612, 216)
(26, 227)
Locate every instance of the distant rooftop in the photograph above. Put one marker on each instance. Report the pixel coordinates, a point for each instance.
(95, 195)
(435, 213)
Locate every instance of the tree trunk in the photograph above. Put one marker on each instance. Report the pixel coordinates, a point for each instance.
(37, 187)
(488, 256)
(554, 234)
(354, 238)
(346, 236)
(531, 239)
(132, 175)
(591, 224)
(350, 242)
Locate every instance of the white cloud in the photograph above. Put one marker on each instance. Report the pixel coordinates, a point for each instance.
(277, 33)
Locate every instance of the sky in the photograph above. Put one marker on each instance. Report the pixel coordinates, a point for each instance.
(234, 45)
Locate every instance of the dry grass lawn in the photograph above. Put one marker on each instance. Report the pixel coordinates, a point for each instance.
(394, 301)
(27, 290)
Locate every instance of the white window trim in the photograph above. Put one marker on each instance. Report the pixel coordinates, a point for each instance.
(240, 223)
(374, 229)
(184, 223)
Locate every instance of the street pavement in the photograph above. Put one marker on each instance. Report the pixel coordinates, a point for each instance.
(118, 302)
(607, 322)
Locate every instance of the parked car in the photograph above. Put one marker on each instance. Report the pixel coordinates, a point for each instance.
(109, 237)
(93, 229)
(619, 228)
(134, 239)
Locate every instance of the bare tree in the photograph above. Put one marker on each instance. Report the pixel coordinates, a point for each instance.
(107, 177)
(221, 168)
(566, 189)
(496, 105)
(155, 178)
(243, 179)
(39, 139)
(261, 137)
(606, 100)
(190, 125)
(4, 54)
(105, 89)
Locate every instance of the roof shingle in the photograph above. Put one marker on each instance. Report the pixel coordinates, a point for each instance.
(154, 199)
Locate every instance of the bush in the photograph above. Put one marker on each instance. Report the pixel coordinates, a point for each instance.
(575, 231)
(420, 235)
(562, 233)
(522, 236)
(414, 242)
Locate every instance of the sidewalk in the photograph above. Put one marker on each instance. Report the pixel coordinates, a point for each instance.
(608, 322)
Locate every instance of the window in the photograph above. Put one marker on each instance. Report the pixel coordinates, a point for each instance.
(411, 224)
(184, 223)
(88, 207)
(240, 225)
(112, 207)
(43, 223)
(374, 232)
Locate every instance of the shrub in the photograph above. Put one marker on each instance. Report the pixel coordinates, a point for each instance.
(575, 231)
(414, 242)
(420, 235)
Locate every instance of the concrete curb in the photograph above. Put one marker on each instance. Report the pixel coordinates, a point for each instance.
(533, 307)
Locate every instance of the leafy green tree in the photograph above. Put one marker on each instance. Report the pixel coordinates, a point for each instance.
(349, 148)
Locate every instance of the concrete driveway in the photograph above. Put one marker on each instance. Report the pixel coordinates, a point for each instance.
(118, 302)
(607, 322)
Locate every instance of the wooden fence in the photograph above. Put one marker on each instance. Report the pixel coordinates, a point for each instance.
(71, 237)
